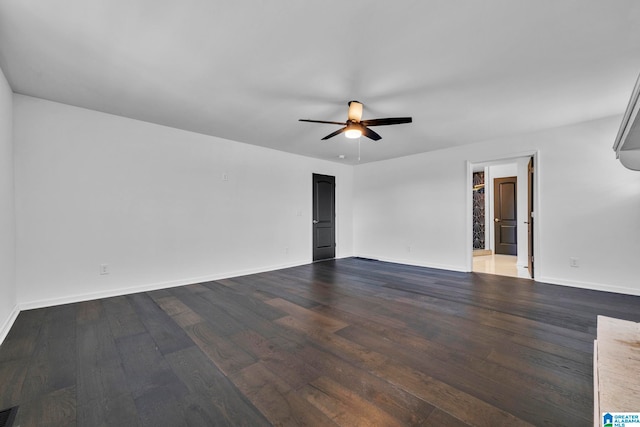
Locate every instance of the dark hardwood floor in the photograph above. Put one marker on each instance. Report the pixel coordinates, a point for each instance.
(348, 342)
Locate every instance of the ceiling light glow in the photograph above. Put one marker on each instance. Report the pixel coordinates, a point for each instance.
(353, 133)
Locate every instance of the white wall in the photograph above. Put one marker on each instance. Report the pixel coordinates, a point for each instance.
(150, 201)
(413, 209)
(8, 306)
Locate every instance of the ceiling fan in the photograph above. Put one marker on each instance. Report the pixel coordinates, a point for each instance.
(355, 127)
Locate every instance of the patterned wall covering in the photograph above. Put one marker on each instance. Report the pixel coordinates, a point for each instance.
(478, 210)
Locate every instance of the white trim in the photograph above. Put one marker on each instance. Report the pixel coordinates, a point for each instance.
(629, 119)
(589, 285)
(468, 216)
(448, 267)
(488, 220)
(542, 280)
(6, 327)
(28, 305)
(471, 164)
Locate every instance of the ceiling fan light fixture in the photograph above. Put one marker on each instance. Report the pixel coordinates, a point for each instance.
(354, 127)
(353, 133)
(353, 130)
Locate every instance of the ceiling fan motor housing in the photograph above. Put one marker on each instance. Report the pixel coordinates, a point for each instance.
(355, 111)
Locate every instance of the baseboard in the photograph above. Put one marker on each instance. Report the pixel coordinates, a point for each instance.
(6, 327)
(589, 285)
(482, 252)
(449, 267)
(29, 305)
(550, 280)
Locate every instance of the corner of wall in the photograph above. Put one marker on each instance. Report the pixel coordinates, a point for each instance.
(8, 298)
(6, 327)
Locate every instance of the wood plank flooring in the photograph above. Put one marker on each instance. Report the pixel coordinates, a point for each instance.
(347, 342)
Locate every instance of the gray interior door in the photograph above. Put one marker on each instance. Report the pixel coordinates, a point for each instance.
(324, 217)
(505, 215)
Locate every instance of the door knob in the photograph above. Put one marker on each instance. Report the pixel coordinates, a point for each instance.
(496, 220)
(315, 221)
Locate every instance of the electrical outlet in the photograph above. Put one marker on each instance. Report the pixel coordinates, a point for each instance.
(408, 248)
(104, 269)
(225, 176)
(574, 262)
(286, 250)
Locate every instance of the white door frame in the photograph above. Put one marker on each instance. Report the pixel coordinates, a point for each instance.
(537, 212)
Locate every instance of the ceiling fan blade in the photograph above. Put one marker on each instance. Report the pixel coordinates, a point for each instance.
(370, 134)
(338, 132)
(387, 121)
(321, 121)
(355, 111)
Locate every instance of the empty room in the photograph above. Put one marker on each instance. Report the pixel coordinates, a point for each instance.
(315, 213)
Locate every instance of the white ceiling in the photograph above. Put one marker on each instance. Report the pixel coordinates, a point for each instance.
(465, 71)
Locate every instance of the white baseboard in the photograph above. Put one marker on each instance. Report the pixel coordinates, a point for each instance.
(544, 279)
(29, 305)
(449, 267)
(589, 285)
(6, 326)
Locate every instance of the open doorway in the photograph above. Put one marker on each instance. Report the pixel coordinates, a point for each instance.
(500, 207)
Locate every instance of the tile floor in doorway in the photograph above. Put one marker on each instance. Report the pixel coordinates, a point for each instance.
(502, 265)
